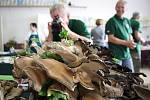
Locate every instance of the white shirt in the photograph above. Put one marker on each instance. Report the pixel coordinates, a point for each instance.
(41, 36)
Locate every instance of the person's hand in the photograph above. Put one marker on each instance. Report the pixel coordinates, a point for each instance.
(131, 44)
(50, 36)
(143, 40)
(34, 44)
(49, 26)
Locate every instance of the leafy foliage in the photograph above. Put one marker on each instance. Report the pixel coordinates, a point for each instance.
(11, 43)
(25, 52)
(49, 54)
(51, 94)
(43, 91)
(63, 34)
(56, 95)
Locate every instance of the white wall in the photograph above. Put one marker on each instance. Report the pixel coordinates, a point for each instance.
(1, 35)
(16, 19)
(106, 8)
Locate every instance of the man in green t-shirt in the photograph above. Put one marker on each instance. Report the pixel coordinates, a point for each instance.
(120, 39)
(75, 28)
(136, 28)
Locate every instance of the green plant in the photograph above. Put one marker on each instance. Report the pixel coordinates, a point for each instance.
(11, 43)
(49, 54)
(63, 34)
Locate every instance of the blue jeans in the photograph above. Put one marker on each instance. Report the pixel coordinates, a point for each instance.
(125, 63)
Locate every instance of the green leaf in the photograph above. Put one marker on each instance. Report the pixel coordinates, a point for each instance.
(63, 34)
(43, 91)
(49, 54)
(52, 94)
(56, 95)
(35, 40)
(25, 52)
(70, 42)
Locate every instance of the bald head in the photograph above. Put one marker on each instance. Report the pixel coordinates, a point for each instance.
(120, 7)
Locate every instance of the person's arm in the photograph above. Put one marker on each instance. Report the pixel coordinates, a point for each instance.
(74, 35)
(50, 36)
(115, 40)
(138, 36)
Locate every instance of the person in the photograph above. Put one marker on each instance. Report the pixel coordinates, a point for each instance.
(120, 39)
(98, 34)
(75, 28)
(136, 28)
(34, 38)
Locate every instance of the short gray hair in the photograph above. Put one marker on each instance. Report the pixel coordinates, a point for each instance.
(121, 2)
(135, 14)
(59, 7)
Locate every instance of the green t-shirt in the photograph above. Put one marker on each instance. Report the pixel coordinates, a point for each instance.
(136, 27)
(79, 27)
(121, 29)
(76, 26)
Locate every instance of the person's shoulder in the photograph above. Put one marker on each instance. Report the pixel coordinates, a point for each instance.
(133, 21)
(93, 29)
(29, 33)
(76, 20)
(111, 20)
(27, 36)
